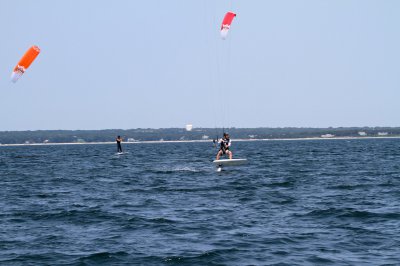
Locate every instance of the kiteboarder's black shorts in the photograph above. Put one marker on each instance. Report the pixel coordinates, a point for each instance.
(224, 150)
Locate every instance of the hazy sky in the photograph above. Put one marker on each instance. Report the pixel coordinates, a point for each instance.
(130, 64)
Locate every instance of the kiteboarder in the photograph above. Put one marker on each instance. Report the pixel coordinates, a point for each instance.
(225, 143)
(119, 140)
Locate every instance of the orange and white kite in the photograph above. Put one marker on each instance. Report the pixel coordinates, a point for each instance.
(24, 63)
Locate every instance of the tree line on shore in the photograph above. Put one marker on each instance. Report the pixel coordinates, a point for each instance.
(171, 134)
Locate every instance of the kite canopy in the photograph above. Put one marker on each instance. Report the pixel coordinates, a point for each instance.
(24, 63)
(226, 24)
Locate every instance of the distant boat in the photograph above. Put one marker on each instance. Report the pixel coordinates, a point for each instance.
(189, 127)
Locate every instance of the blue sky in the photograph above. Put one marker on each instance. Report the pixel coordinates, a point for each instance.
(138, 64)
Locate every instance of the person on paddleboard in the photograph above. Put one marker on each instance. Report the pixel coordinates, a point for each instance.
(119, 140)
(225, 143)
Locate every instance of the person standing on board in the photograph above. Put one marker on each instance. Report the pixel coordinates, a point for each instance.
(225, 143)
(119, 140)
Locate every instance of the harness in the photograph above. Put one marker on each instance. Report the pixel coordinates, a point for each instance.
(225, 145)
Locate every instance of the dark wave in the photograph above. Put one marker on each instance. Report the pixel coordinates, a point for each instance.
(104, 258)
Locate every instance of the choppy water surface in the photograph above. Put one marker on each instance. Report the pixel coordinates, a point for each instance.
(296, 203)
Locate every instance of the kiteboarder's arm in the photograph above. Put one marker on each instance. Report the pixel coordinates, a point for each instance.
(228, 144)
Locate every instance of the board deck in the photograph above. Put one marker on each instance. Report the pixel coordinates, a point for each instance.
(230, 162)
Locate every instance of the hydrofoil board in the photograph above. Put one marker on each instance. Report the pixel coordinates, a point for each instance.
(229, 162)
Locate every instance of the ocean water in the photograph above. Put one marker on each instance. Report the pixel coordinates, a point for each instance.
(300, 202)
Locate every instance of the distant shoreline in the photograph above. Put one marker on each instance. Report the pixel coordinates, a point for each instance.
(193, 141)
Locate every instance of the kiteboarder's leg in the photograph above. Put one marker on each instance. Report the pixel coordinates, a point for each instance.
(219, 154)
(229, 153)
(119, 147)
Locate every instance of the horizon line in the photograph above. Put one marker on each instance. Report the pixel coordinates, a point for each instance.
(194, 128)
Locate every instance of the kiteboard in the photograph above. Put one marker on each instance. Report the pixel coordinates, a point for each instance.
(228, 162)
